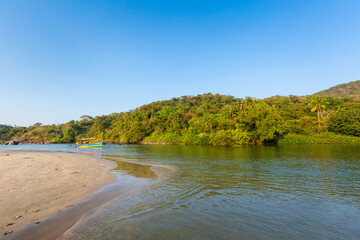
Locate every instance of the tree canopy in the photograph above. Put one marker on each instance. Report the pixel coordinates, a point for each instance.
(206, 119)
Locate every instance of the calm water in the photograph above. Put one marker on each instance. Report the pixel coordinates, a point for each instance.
(204, 192)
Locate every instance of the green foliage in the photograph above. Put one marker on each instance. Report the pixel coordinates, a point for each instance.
(346, 90)
(262, 122)
(210, 119)
(169, 137)
(317, 104)
(135, 134)
(222, 138)
(239, 137)
(8, 132)
(68, 135)
(319, 138)
(304, 125)
(86, 118)
(346, 122)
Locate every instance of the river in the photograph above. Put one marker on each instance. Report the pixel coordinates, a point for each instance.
(247, 192)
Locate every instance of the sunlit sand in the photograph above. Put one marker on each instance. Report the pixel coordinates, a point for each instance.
(37, 185)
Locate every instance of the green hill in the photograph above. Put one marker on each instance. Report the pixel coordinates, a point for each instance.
(351, 89)
(214, 119)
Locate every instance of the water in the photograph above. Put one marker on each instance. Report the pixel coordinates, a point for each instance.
(204, 192)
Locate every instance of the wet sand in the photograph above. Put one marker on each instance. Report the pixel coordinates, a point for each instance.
(63, 225)
(37, 185)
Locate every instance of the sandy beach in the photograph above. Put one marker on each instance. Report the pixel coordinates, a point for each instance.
(37, 185)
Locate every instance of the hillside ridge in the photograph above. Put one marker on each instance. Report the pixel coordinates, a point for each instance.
(350, 89)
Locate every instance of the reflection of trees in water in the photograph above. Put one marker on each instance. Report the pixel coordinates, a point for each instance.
(315, 170)
(133, 169)
(227, 191)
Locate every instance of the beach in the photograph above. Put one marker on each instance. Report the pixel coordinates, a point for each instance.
(37, 185)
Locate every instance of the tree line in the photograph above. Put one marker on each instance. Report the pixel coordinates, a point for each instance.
(212, 119)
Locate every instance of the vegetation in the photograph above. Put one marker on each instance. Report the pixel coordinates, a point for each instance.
(317, 104)
(8, 132)
(320, 138)
(346, 122)
(346, 90)
(212, 119)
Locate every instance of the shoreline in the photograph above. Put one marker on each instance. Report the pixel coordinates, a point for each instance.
(36, 186)
(293, 139)
(63, 225)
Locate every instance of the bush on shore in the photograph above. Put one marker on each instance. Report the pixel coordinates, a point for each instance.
(321, 138)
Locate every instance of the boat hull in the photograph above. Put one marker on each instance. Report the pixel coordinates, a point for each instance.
(92, 145)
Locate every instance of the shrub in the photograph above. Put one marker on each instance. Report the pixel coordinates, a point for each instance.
(346, 122)
(320, 138)
(239, 137)
(222, 138)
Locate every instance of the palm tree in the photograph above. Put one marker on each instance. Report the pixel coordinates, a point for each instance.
(240, 103)
(317, 104)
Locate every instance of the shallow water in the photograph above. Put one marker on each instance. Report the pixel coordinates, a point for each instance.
(204, 192)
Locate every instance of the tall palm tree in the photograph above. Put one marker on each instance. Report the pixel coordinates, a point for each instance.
(317, 104)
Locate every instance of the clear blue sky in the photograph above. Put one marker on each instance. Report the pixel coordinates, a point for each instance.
(60, 60)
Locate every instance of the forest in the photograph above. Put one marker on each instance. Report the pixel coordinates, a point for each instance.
(212, 119)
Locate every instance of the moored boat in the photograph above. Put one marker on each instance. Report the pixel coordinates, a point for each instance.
(84, 143)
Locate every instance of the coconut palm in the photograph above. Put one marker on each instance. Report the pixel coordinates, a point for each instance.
(240, 104)
(317, 104)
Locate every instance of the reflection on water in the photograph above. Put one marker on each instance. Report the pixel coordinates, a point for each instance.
(249, 192)
(133, 169)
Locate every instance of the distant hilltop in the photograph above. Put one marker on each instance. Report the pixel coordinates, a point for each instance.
(351, 89)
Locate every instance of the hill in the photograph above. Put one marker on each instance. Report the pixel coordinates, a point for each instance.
(351, 89)
(214, 119)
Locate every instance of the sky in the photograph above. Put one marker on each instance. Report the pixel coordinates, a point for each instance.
(60, 60)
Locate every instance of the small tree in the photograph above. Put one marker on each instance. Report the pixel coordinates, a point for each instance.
(37, 124)
(86, 117)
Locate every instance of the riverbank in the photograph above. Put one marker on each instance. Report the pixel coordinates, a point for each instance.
(37, 185)
(320, 138)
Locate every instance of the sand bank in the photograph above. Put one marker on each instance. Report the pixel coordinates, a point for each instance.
(37, 185)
